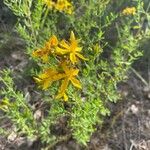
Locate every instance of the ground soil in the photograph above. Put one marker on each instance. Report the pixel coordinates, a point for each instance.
(128, 126)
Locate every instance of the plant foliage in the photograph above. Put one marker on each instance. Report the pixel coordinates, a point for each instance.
(107, 64)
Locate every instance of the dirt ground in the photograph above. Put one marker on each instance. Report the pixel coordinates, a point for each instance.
(128, 126)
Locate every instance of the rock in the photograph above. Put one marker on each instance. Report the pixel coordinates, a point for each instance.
(12, 136)
(134, 109)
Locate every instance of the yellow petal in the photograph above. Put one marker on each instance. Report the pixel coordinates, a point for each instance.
(73, 58)
(76, 83)
(45, 58)
(62, 89)
(58, 96)
(51, 71)
(53, 41)
(65, 97)
(64, 85)
(72, 36)
(64, 67)
(61, 51)
(62, 95)
(46, 79)
(37, 53)
(49, 3)
(37, 80)
(78, 49)
(47, 46)
(81, 56)
(43, 76)
(64, 44)
(46, 84)
(48, 73)
(58, 76)
(75, 72)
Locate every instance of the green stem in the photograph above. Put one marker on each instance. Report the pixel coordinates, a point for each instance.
(44, 18)
(15, 95)
(139, 76)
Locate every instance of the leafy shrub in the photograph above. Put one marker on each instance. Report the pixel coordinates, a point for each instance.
(100, 68)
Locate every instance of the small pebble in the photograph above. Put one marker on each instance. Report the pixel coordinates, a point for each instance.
(134, 109)
(12, 136)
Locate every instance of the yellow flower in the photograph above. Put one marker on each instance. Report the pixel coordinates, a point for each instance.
(50, 4)
(44, 52)
(129, 11)
(48, 77)
(5, 104)
(71, 48)
(70, 74)
(60, 5)
(51, 75)
(64, 5)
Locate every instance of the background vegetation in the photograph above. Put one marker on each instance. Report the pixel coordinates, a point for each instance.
(110, 39)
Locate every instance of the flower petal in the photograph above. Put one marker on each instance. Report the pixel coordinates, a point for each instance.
(75, 72)
(64, 67)
(78, 49)
(73, 58)
(46, 84)
(37, 53)
(53, 41)
(81, 56)
(72, 36)
(64, 44)
(64, 85)
(58, 76)
(65, 97)
(61, 51)
(62, 89)
(48, 73)
(37, 80)
(47, 78)
(62, 95)
(45, 58)
(76, 82)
